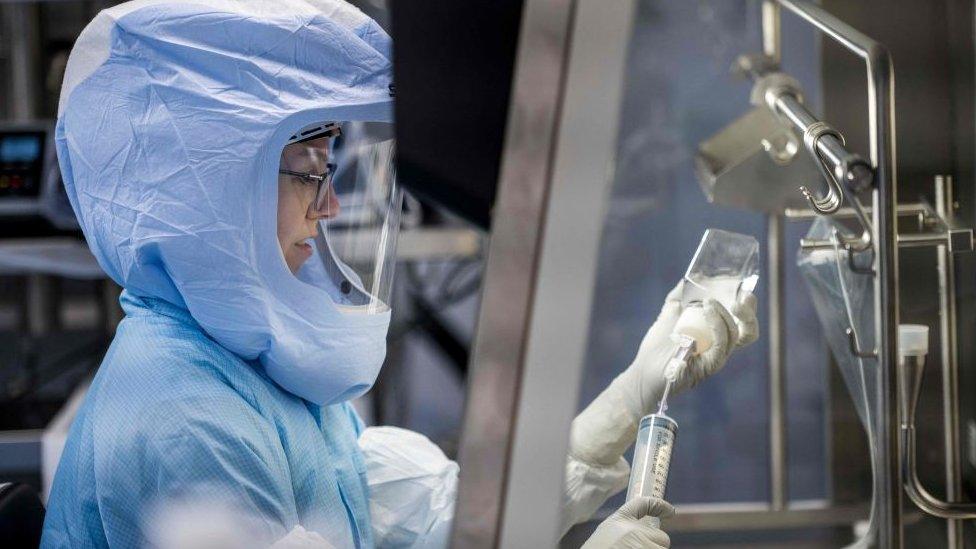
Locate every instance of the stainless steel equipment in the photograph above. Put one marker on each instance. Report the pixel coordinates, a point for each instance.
(846, 178)
(569, 56)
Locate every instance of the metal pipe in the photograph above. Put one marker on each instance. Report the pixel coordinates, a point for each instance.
(847, 167)
(911, 369)
(920, 496)
(950, 361)
(827, 23)
(508, 291)
(923, 240)
(778, 480)
(906, 209)
(775, 243)
(771, 30)
(920, 240)
(881, 118)
(20, 24)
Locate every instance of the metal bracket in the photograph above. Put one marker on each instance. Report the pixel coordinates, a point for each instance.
(855, 346)
(852, 264)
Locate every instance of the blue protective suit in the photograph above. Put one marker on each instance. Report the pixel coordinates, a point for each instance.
(173, 416)
(229, 377)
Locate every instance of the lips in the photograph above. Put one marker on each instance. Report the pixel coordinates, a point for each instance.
(305, 248)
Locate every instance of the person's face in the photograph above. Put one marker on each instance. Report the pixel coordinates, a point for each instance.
(297, 223)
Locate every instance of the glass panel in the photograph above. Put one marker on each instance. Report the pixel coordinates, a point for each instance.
(679, 93)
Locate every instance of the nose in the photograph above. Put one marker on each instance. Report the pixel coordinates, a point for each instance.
(328, 210)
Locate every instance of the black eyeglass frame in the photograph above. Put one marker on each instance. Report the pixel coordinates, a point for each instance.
(323, 180)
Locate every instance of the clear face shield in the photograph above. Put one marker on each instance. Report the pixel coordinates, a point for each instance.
(346, 243)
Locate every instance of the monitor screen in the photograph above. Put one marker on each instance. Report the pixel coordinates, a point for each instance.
(20, 148)
(21, 163)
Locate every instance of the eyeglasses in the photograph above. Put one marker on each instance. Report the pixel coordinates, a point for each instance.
(323, 183)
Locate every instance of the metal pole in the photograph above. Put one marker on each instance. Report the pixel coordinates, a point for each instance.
(508, 293)
(950, 362)
(775, 244)
(881, 121)
(20, 25)
(778, 479)
(881, 90)
(771, 30)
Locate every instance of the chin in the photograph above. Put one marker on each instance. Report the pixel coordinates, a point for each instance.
(294, 264)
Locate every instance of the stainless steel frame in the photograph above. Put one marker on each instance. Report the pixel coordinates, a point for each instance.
(539, 280)
(911, 376)
(883, 227)
(896, 458)
(516, 427)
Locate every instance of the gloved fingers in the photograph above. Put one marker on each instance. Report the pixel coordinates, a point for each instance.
(722, 325)
(641, 507)
(674, 296)
(667, 318)
(724, 332)
(664, 324)
(745, 319)
(645, 536)
(671, 309)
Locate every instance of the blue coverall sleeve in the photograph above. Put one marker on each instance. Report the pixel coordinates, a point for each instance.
(229, 457)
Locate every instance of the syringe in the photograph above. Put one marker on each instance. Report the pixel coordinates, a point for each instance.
(679, 359)
(657, 431)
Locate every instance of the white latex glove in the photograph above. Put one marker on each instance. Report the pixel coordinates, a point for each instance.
(412, 488)
(587, 486)
(300, 538)
(625, 530)
(608, 426)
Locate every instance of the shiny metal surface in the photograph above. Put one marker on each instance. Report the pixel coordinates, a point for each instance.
(911, 369)
(542, 257)
(735, 166)
(884, 216)
(20, 24)
(905, 209)
(948, 330)
(566, 269)
(500, 341)
(760, 516)
(776, 261)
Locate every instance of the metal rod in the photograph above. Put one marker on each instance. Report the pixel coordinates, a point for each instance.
(508, 292)
(920, 496)
(881, 118)
(847, 167)
(740, 516)
(910, 208)
(827, 23)
(20, 22)
(920, 240)
(771, 30)
(911, 371)
(950, 362)
(923, 240)
(778, 479)
(789, 106)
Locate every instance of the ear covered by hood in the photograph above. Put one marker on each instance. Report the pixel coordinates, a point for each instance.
(170, 127)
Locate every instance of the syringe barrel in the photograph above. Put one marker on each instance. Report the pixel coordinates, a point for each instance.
(652, 456)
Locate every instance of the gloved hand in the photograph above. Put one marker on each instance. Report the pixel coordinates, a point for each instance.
(608, 426)
(625, 530)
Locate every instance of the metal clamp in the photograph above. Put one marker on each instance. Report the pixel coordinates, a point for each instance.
(834, 199)
(855, 346)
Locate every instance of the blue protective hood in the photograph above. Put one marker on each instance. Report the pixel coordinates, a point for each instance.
(170, 128)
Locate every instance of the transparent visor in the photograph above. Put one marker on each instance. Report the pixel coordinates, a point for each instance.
(343, 188)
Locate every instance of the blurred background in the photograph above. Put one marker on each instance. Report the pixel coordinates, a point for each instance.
(58, 312)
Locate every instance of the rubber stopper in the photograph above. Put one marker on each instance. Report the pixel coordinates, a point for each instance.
(692, 323)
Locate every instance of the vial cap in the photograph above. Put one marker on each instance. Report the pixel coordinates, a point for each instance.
(913, 339)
